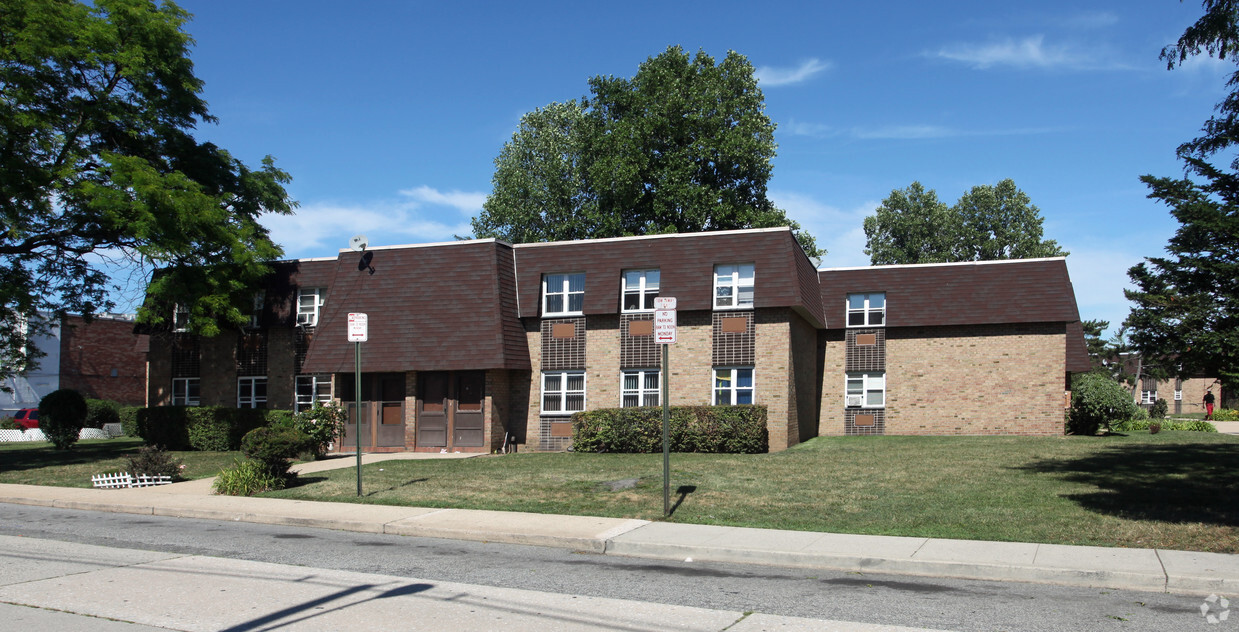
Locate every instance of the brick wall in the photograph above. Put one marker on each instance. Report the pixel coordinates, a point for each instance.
(281, 368)
(997, 379)
(219, 369)
(833, 350)
(773, 382)
(104, 360)
(805, 395)
(1193, 394)
(159, 382)
(602, 370)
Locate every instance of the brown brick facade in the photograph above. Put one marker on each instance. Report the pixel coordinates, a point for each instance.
(103, 360)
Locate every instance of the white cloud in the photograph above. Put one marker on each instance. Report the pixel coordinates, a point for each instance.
(321, 229)
(1030, 52)
(904, 132)
(769, 76)
(840, 231)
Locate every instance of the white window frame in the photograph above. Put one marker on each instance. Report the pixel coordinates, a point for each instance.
(1178, 394)
(729, 291)
(563, 288)
(562, 393)
(181, 392)
(310, 302)
(732, 389)
(253, 400)
(644, 290)
(259, 301)
(1148, 397)
(319, 391)
(641, 392)
(870, 382)
(180, 318)
(867, 311)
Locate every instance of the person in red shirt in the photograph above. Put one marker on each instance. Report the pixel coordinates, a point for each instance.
(1209, 404)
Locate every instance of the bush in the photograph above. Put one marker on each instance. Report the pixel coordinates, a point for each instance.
(717, 429)
(129, 420)
(275, 447)
(1097, 400)
(8, 423)
(62, 414)
(1225, 414)
(154, 461)
(203, 428)
(1132, 425)
(101, 411)
(246, 478)
(322, 424)
(1155, 428)
(1159, 409)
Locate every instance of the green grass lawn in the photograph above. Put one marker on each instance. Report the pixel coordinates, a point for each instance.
(1170, 490)
(38, 463)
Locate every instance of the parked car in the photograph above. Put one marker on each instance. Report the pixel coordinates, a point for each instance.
(27, 418)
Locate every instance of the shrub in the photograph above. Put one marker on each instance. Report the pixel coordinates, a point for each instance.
(1225, 414)
(322, 424)
(1132, 425)
(729, 429)
(129, 420)
(8, 423)
(1155, 428)
(1097, 400)
(154, 461)
(101, 411)
(62, 414)
(274, 447)
(203, 428)
(1159, 409)
(246, 478)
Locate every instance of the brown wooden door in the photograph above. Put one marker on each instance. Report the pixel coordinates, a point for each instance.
(389, 412)
(467, 426)
(432, 409)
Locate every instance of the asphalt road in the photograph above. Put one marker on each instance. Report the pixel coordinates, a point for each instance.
(890, 600)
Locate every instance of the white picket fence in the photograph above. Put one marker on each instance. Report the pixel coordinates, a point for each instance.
(123, 480)
(34, 434)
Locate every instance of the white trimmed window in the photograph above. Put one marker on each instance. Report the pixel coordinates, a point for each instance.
(640, 290)
(310, 389)
(640, 388)
(310, 301)
(733, 286)
(1148, 397)
(733, 386)
(1178, 394)
(866, 390)
(185, 391)
(563, 392)
(251, 392)
(563, 294)
(867, 310)
(256, 311)
(180, 318)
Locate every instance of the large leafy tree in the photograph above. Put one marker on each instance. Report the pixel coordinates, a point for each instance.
(988, 222)
(98, 104)
(1186, 304)
(684, 145)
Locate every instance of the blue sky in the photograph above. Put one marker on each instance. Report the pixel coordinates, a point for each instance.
(389, 114)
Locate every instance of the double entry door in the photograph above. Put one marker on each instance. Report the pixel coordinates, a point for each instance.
(449, 409)
(382, 410)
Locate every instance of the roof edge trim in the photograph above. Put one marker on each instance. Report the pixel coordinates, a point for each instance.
(488, 240)
(662, 236)
(950, 263)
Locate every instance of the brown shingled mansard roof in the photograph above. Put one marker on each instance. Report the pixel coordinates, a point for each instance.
(783, 275)
(432, 307)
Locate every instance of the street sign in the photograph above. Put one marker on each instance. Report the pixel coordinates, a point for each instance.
(664, 326)
(358, 327)
(664, 302)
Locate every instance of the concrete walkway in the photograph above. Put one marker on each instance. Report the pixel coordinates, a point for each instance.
(1180, 572)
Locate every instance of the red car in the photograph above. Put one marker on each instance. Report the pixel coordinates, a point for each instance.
(27, 418)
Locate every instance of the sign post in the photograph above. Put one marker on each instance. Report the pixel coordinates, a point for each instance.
(358, 332)
(664, 334)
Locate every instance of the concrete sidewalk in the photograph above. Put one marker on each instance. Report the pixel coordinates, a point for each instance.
(1180, 572)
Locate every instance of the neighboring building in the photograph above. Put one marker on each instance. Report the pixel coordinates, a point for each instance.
(1182, 395)
(104, 359)
(475, 343)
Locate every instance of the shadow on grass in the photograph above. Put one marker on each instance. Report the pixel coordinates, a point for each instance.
(1170, 483)
(15, 458)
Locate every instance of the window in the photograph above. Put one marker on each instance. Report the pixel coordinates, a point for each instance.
(1148, 397)
(866, 310)
(1178, 394)
(180, 318)
(640, 290)
(640, 388)
(252, 392)
(310, 302)
(185, 391)
(563, 294)
(563, 392)
(866, 390)
(733, 286)
(310, 389)
(733, 386)
(256, 312)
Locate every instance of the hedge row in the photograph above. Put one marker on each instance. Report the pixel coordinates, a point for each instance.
(205, 428)
(720, 429)
(1131, 425)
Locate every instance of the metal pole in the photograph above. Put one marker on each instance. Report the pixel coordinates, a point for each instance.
(357, 409)
(666, 374)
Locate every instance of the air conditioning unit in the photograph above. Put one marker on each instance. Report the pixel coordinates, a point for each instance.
(855, 400)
